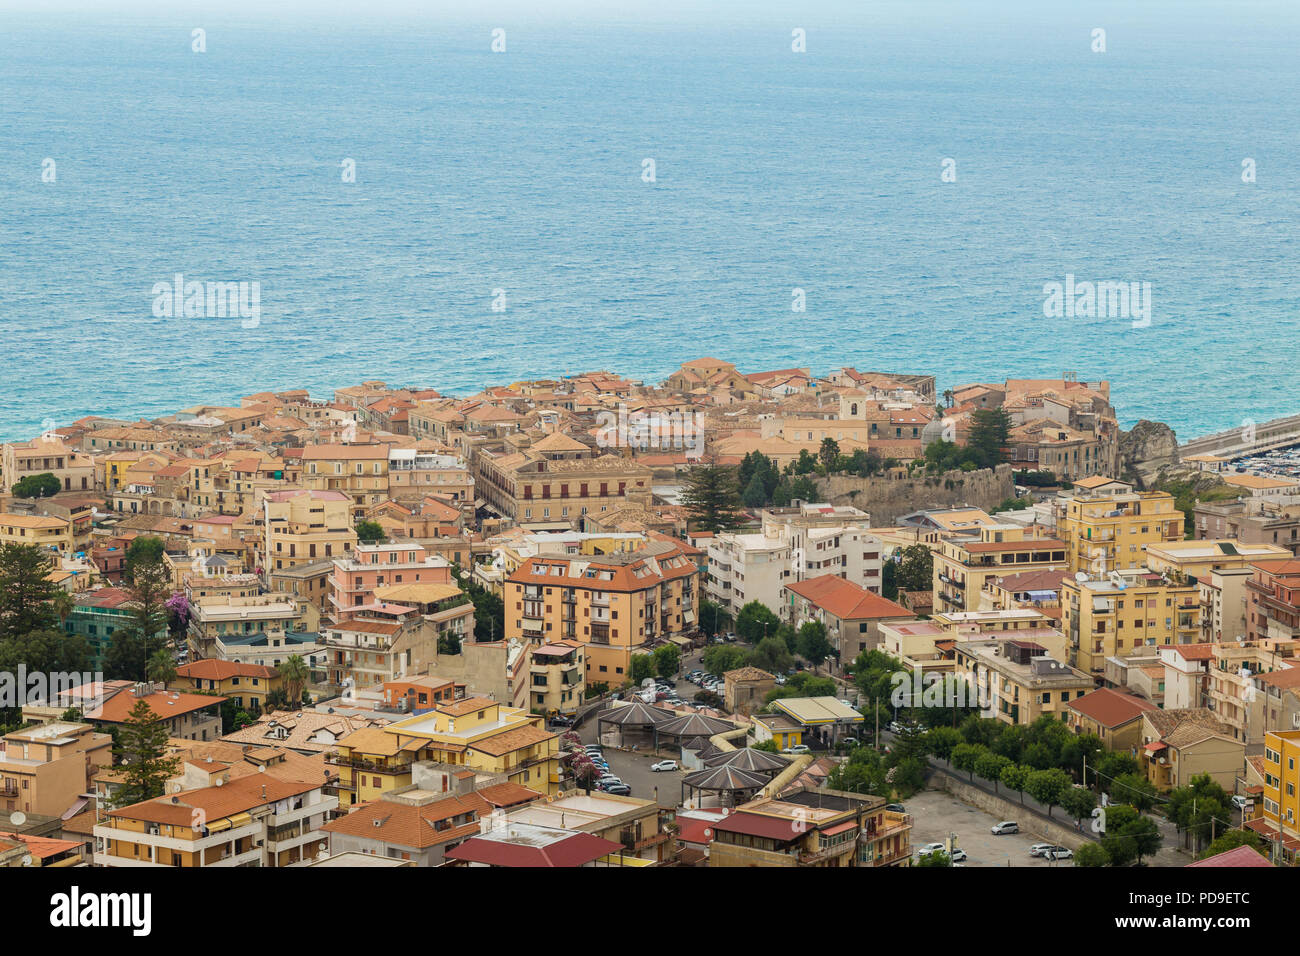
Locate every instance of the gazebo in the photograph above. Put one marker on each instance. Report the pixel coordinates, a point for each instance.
(686, 726)
(637, 715)
(728, 783)
(747, 758)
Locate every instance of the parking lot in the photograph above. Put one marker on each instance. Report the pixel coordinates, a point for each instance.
(634, 770)
(936, 814)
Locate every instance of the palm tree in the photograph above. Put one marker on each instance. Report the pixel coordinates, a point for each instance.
(161, 667)
(63, 605)
(294, 673)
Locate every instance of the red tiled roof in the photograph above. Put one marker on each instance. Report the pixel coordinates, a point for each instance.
(1110, 708)
(846, 600)
(1237, 856)
(576, 850)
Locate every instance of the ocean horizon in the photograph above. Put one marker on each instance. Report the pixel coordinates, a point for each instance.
(517, 179)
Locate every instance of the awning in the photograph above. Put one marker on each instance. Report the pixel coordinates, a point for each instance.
(840, 828)
(1156, 746)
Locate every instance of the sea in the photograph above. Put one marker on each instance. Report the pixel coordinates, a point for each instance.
(462, 195)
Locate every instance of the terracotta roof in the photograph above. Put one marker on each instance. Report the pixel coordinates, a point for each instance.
(1110, 708)
(213, 669)
(237, 796)
(504, 743)
(165, 704)
(575, 850)
(846, 600)
(1237, 856)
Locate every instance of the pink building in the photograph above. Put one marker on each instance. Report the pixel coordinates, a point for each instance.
(355, 577)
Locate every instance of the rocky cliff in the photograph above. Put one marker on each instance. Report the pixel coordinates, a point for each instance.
(887, 499)
(1146, 451)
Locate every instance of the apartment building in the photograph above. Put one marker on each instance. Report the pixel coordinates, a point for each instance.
(240, 612)
(1249, 521)
(246, 684)
(1232, 690)
(1112, 716)
(74, 470)
(382, 643)
(185, 716)
(813, 828)
(1109, 528)
(1198, 557)
(371, 566)
(614, 605)
(96, 615)
(966, 568)
(1281, 804)
(302, 526)
(556, 677)
(1273, 600)
(852, 615)
(47, 532)
(1123, 614)
(1178, 745)
(253, 820)
(556, 479)
(358, 471)
(45, 768)
(414, 473)
(1017, 681)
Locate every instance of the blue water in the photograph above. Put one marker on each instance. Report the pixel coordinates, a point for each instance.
(522, 171)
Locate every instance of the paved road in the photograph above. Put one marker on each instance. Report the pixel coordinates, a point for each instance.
(936, 814)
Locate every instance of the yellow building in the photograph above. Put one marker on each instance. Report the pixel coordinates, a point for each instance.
(303, 526)
(965, 567)
(1281, 803)
(613, 604)
(1017, 681)
(1196, 559)
(246, 684)
(1110, 527)
(358, 471)
(1124, 614)
(477, 735)
(48, 532)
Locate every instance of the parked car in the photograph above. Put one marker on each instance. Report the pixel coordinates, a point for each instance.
(958, 855)
(895, 808)
(925, 849)
(1240, 802)
(1006, 826)
(780, 680)
(664, 765)
(895, 727)
(559, 720)
(1040, 849)
(608, 778)
(618, 789)
(849, 741)
(1059, 853)
(797, 749)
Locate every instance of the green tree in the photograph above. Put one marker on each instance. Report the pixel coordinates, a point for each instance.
(755, 493)
(1078, 802)
(1048, 787)
(829, 454)
(915, 570)
(941, 741)
(642, 667)
(966, 757)
(44, 485)
(989, 766)
(937, 858)
(1090, 854)
(294, 674)
(161, 666)
(1232, 839)
(1134, 789)
(134, 643)
(145, 549)
(26, 593)
(990, 432)
(714, 618)
(813, 644)
(771, 654)
(721, 658)
(1016, 777)
(668, 658)
(370, 532)
(755, 622)
(711, 496)
(142, 752)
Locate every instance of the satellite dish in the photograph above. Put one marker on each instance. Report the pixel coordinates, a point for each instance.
(1081, 576)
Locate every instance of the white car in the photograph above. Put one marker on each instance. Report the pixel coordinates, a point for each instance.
(1040, 849)
(796, 749)
(1006, 826)
(925, 849)
(958, 855)
(1059, 853)
(664, 765)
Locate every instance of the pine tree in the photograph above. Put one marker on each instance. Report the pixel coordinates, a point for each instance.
(712, 497)
(26, 593)
(141, 750)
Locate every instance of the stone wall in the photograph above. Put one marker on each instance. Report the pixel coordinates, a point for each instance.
(887, 499)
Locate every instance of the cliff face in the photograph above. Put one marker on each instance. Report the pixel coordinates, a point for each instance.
(889, 498)
(1146, 450)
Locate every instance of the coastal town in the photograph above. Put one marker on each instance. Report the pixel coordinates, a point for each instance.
(785, 618)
